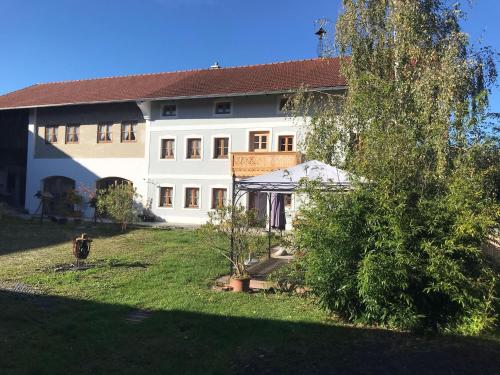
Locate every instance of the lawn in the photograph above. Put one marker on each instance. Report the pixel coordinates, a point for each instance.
(76, 323)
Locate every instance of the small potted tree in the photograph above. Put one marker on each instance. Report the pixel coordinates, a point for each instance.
(73, 202)
(231, 232)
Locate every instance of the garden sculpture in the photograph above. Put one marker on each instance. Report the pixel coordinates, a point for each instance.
(81, 248)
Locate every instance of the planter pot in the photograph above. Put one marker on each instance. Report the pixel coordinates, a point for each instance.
(240, 285)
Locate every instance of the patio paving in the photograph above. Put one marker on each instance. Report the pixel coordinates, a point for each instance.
(261, 270)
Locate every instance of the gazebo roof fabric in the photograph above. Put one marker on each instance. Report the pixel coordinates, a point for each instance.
(288, 180)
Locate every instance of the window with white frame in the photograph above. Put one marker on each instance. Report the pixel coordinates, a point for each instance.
(166, 196)
(223, 108)
(285, 143)
(259, 141)
(169, 110)
(192, 197)
(221, 148)
(193, 150)
(167, 148)
(219, 197)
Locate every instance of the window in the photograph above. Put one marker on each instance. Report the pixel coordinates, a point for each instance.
(219, 198)
(285, 143)
(166, 197)
(129, 132)
(167, 149)
(354, 141)
(223, 108)
(192, 198)
(259, 141)
(221, 148)
(253, 200)
(51, 134)
(283, 104)
(72, 133)
(104, 133)
(193, 148)
(288, 200)
(169, 110)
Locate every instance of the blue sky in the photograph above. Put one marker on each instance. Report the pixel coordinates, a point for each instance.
(53, 40)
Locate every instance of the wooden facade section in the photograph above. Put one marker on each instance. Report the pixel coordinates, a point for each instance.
(249, 164)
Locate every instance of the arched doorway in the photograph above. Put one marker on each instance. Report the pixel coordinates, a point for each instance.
(60, 189)
(101, 186)
(106, 182)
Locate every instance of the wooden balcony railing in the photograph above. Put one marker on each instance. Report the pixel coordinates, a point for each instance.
(248, 164)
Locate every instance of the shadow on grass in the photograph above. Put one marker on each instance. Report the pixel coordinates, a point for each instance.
(52, 335)
(18, 235)
(86, 265)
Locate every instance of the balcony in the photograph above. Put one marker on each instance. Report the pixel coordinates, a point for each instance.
(249, 164)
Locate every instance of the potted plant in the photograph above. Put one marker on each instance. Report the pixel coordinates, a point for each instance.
(231, 232)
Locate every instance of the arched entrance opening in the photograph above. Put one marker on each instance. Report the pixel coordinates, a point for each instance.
(106, 182)
(60, 189)
(102, 185)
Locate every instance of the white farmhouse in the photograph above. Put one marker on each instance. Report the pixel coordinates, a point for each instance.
(178, 137)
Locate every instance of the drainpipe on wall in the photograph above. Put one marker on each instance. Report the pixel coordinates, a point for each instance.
(145, 107)
(30, 155)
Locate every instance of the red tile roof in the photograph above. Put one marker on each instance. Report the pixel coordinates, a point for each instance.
(254, 79)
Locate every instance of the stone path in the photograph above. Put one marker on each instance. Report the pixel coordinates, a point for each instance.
(18, 288)
(259, 272)
(29, 293)
(138, 316)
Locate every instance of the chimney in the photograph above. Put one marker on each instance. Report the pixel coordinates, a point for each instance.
(215, 65)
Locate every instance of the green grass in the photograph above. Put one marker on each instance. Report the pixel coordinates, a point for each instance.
(80, 328)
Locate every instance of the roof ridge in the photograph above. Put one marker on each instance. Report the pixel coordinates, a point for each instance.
(179, 71)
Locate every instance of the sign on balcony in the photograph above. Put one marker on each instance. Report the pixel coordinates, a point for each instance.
(249, 164)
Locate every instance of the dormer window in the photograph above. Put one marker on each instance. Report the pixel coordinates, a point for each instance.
(169, 110)
(223, 108)
(284, 104)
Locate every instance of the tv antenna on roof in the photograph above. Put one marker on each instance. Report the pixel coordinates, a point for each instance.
(324, 44)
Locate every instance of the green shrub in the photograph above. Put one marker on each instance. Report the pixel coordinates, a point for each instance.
(117, 202)
(290, 277)
(418, 267)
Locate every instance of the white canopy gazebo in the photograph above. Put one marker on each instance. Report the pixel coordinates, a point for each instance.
(289, 180)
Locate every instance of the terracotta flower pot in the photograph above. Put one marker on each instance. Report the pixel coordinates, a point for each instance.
(240, 285)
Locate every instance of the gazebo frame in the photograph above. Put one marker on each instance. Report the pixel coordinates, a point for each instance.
(242, 187)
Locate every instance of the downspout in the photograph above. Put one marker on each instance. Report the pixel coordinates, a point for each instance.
(145, 107)
(30, 156)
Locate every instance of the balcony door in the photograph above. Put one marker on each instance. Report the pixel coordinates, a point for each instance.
(259, 141)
